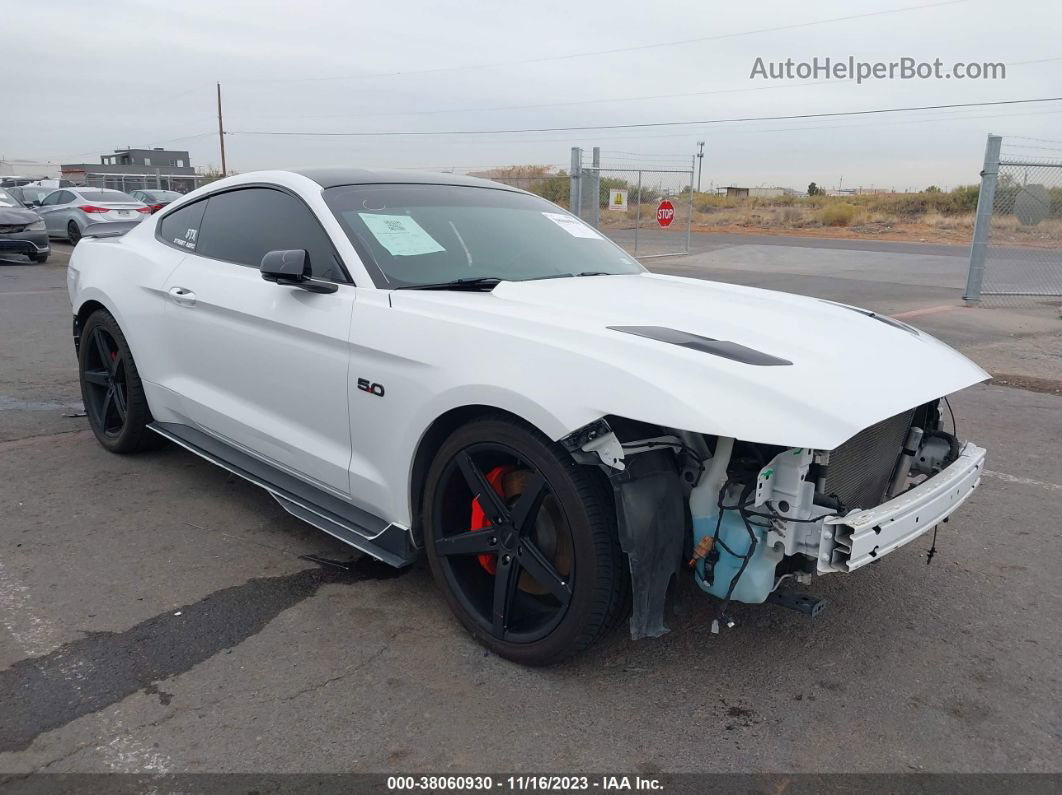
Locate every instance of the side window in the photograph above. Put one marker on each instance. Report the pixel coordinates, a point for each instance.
(65, 197)
(51, 198)
(241, 226)
(180, 228)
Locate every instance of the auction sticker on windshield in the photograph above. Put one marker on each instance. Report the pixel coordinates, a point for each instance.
(572, 226)
(400, 235)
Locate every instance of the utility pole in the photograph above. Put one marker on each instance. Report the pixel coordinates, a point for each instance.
(700, 161)
(221, 135)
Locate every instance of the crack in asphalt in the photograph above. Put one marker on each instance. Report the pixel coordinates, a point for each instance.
(110, 666)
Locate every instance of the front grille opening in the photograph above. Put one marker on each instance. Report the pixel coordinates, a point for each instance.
(861, 469)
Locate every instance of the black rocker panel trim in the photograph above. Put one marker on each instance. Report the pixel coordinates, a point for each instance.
(349, 523)
(723, 348)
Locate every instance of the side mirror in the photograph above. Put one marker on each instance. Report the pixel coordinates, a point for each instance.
(291, 267)
(35, 203)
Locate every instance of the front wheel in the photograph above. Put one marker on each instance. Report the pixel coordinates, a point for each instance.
(110, 387)
(522, 542)
(39, 259)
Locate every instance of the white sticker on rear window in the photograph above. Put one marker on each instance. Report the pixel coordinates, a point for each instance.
(573, 226)
(400, 235)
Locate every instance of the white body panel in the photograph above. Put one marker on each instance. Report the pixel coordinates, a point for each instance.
(275, 369)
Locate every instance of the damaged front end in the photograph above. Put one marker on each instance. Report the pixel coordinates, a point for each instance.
(741, 517)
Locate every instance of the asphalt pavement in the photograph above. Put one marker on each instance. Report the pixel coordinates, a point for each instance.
(156, 616)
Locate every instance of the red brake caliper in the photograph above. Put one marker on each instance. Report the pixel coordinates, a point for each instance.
(479, 518)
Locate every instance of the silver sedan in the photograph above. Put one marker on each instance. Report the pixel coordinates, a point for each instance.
(69, 211)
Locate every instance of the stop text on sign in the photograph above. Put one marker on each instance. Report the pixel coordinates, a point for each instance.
(665, 213)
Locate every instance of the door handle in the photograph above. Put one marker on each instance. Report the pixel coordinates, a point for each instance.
(182, 296)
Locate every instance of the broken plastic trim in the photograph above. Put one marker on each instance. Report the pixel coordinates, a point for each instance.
(651, 520)
(596, 438)
(722, 348)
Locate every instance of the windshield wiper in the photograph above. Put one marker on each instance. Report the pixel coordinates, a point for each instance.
(477, 283)
(592, 273)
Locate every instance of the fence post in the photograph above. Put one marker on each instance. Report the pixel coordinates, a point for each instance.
(638, 214)
(689, 222)
(574, 193)
(594, 189)
(983, 221)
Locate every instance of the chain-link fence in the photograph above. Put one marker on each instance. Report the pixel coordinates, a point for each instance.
(1016, 256)
(182, 183)
(648, 211)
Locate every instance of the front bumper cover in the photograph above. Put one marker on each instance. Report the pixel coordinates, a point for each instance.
(849, 542)
(25, 242)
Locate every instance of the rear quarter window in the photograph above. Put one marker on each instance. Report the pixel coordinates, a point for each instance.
(180, 228)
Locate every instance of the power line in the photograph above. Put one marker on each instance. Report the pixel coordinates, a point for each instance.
(644, 125)
(571, 103)
(611, 51)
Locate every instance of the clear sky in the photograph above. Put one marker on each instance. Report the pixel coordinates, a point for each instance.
(92, 76)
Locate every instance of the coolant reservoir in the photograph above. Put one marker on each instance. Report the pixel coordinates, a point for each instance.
(757, 580)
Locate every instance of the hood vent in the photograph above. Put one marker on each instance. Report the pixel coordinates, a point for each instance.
(723, 348)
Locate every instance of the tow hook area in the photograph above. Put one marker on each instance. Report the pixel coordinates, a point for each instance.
(794, 600)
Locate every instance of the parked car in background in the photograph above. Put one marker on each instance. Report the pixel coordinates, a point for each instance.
(69, 211)
(22, 231)
(30, 195)
(156, 199)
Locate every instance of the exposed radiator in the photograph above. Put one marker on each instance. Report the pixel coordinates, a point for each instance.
(861, 468)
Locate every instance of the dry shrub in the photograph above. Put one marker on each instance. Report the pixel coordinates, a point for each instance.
(838, 214)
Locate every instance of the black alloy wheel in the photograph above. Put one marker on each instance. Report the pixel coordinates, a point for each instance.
(111, 388)
(105, 379)
(521, 540)
(73, 233)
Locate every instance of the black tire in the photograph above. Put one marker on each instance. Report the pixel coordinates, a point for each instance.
(111, 388)
(39, 259)
(73, 233)
(572, 528)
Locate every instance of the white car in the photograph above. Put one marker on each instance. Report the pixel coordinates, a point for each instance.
(425, 363)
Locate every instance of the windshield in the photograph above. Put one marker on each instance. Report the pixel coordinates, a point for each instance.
(7, 200)
(31, 194)
(426, 234)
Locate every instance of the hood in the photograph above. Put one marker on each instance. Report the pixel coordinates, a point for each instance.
(14, 216)
(718, 358)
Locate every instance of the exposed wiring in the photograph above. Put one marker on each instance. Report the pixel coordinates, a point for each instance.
(779, 581)
(954, 428)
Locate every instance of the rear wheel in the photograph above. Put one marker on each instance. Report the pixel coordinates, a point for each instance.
(73, 232)
(522, 542)
(111, 389)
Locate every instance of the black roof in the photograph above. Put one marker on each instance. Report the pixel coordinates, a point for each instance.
(333, 177)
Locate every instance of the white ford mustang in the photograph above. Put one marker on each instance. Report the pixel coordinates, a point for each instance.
(423, 362)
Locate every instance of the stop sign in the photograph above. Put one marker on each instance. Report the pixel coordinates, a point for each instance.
(665, 213)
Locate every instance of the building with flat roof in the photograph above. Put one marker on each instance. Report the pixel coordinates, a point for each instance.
(136, 169)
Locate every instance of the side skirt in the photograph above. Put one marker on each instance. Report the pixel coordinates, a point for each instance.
(362, 530)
